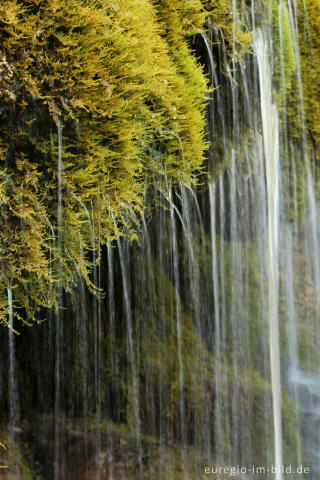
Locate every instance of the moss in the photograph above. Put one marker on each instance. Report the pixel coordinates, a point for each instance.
(307, 349)
(309, 31)
(302, 113)
(285, 67)
(160, 366)
(117, 455)
(122, 85)
(13, 458)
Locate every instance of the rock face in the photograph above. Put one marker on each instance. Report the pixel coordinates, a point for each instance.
(32, 455)
(13, 463)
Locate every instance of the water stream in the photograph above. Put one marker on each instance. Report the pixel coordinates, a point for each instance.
(13, 387)
(270, 126)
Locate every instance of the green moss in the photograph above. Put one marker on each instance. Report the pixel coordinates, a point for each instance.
(14, 459)
(309, 31)
(307, 349)
(284, 48)
(123, 82)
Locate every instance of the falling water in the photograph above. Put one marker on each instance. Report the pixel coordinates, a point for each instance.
(178, 323)
(13, 387)
(58, 465)
(122, 249)
(97, 338)
(271, 151)
(205, 347)
(217, 334)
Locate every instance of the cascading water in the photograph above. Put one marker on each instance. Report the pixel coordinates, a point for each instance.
(58, 459)
(178, 323)
(270, 125)
(122, 249)
(13, 390)
(205, 348)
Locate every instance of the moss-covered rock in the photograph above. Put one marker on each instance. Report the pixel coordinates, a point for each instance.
(13, 463)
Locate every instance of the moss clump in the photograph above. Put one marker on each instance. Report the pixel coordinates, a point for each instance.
(13, 464)
(298, 57)
(284, 47)
(309, 31)
(111, 92)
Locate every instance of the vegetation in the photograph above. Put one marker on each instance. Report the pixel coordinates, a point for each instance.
(284, 47)
(310, 54)
(297, 68)
(97, 101)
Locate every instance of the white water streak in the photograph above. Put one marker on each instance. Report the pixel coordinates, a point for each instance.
(271, 150)
(13, 390)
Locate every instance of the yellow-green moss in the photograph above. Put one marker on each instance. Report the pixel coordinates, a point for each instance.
(306, 80)
(284, 47)
(123, 82)
(310, 63)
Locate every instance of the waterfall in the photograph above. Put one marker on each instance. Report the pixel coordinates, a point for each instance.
(217, 334)
(13, 385)
(97, 340)
(58, 464)
(178, 323)
(128, 314)
(271, 151)
(194, 340)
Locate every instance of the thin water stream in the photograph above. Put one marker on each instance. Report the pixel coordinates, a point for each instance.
(270, 125)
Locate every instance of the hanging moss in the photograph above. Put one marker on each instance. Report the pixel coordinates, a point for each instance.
(121, 85)
(302, 84)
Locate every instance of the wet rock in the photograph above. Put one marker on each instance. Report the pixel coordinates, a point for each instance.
(13, 463)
